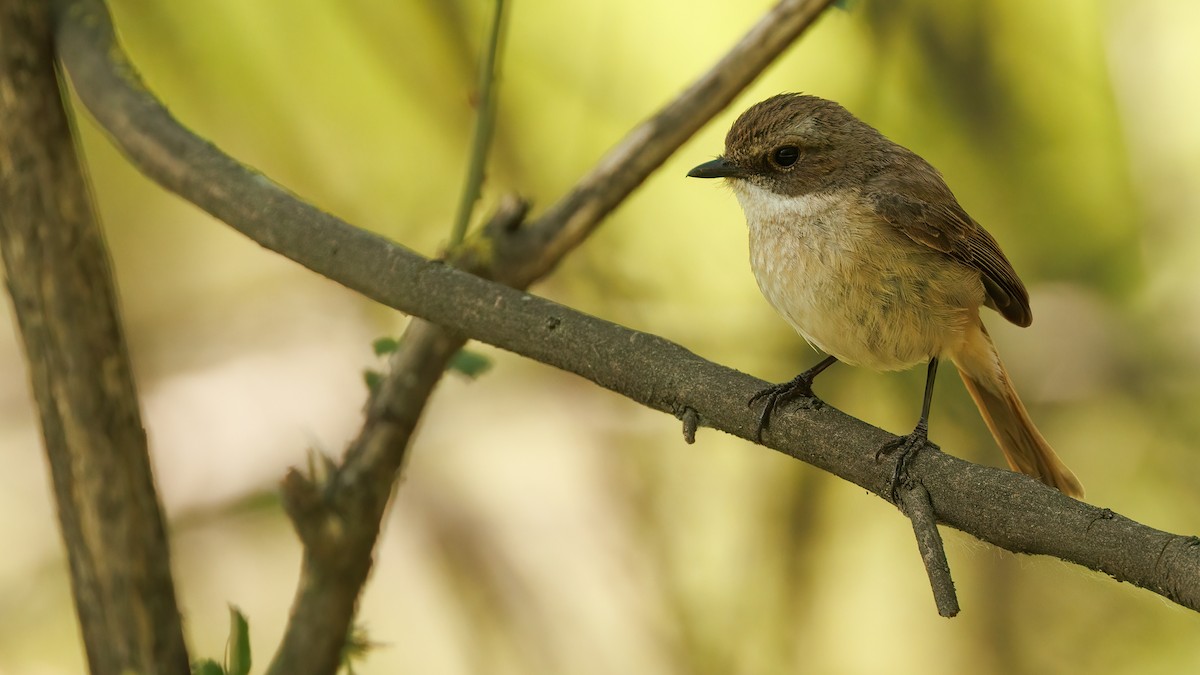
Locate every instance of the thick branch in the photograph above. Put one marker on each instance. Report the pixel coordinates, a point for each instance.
(65, 303)
(1007, 509)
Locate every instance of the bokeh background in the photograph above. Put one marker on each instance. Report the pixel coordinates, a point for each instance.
(547, 526)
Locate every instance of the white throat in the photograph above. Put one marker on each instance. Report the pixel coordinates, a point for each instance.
(762, 206)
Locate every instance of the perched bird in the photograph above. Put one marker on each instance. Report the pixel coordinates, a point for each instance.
(859, 244)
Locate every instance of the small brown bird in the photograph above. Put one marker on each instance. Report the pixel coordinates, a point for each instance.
(863, 249)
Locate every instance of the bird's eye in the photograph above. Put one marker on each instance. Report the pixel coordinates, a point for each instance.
(785, 156)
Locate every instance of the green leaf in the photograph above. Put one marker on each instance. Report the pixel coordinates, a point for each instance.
(373, 378)
(385, 345)
(469, 363)
(207, 667)
(237, 650)
(356, 647)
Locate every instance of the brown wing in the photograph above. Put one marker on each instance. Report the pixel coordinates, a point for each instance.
(923, 208)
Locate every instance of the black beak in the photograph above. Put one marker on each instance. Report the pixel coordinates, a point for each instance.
(718, 168)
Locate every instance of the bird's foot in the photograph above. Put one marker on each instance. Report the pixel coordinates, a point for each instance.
(797, 389)
(906, 448)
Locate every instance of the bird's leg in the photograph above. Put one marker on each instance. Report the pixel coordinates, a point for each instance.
(799, 387)
(910, 444)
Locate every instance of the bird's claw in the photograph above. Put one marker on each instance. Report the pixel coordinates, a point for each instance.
(906, 448)
(798, 389)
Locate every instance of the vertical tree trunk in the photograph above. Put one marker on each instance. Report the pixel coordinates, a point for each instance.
(59, 278)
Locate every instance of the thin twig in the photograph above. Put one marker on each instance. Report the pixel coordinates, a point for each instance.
(914, 502)
(485, 123)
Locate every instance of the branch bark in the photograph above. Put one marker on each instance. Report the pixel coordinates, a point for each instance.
(63, 295)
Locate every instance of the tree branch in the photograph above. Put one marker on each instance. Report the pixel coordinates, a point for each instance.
(65, 302)
(914, 502)
(338, 518)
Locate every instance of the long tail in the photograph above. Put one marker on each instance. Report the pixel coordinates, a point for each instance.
(1023, 446)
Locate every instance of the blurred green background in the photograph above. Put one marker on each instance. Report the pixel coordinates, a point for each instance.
(547, 526)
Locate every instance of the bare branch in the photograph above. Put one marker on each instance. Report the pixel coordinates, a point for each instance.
(914, 502)
(63, 294)
(339, 520)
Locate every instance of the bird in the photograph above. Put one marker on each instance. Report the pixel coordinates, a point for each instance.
(860, 245)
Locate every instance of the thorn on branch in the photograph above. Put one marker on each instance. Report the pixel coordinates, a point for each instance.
(317, 527)
(691, 420)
